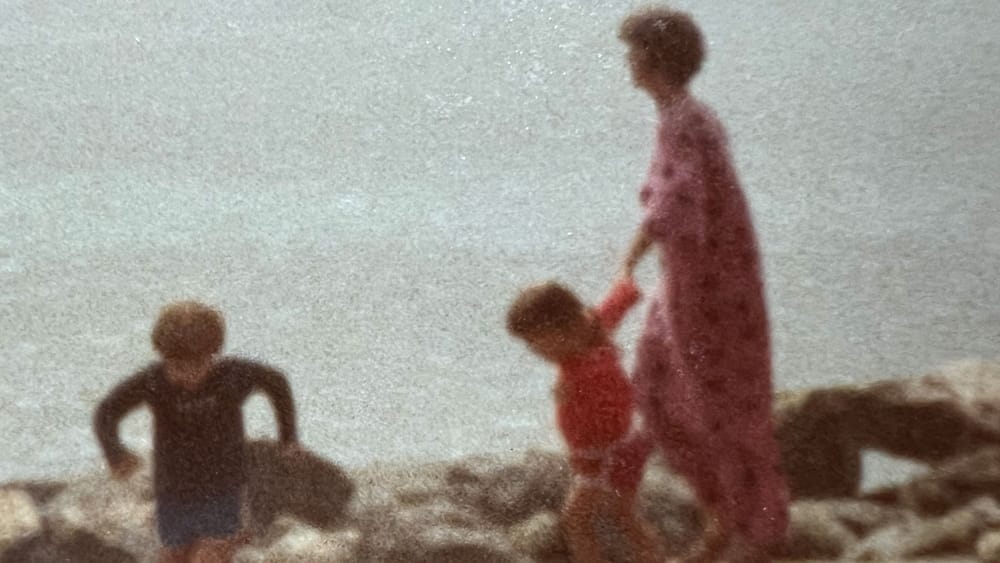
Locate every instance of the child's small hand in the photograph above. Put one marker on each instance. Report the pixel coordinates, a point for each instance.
(126, 466)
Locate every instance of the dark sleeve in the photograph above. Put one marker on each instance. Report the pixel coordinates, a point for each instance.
(125, 397)
(274, 384)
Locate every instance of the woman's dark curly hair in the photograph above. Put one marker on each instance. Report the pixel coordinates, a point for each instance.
(664, 41)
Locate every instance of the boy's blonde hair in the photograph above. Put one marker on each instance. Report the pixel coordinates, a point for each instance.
(188, 330)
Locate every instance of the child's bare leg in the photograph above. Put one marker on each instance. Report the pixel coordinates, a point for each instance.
(578, 523)
(643, 538)
(213, 550)
(714, 539)
(175, 554)
(743, 551)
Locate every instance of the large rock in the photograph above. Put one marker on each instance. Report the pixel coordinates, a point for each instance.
(955, 533)
(78, 547)
(540, 538)
(949, 485)
(456, 511)
(509, 491)
(948, 413)
(826, 529)
(300, 484)
(815, 533)
(92, 520)
(434, 532)
(302, 543)
(951, 412)
(819, 459)
(988, 547)
(99, 515)
(19, 518)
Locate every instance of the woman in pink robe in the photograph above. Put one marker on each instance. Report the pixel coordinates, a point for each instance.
(703, 366)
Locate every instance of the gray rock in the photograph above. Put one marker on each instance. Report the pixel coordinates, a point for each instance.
(302, 543)
(862, 517)
(955, 533)
(815, 532)
(954, 411)
(19, 518)
(433, 532)
(78, 547)
(826, 529)
(98, 514)
(951, 484)
(506, 492)
(988, 547)
(540, 537)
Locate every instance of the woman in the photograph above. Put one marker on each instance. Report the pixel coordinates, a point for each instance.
(703, 368)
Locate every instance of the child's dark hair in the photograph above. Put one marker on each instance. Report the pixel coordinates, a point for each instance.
(666, 41)
(541, 308)
(188, 330)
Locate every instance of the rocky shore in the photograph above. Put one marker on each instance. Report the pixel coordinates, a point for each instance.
(504, 508)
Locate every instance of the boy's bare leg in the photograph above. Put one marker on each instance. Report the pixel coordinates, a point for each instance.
(644, 541)
(714, 539)
(743, 551)
(214, 550)
(578, 523)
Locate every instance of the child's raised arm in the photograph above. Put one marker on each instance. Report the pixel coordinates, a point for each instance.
(125, 397)
(622, 297)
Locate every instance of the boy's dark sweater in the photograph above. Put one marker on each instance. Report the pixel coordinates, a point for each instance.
(198, 436)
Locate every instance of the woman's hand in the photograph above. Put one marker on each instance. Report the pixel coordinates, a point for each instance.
(640, 245)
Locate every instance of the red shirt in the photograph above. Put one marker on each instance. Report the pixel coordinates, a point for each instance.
(594, 396)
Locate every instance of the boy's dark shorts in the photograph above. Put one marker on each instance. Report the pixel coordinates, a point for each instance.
(181, 522)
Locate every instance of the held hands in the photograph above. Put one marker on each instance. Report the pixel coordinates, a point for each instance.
(625, 276)
(627, 272)
(626, 279)
(126, 466)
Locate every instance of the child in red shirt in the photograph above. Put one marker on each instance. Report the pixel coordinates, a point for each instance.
(594, 411)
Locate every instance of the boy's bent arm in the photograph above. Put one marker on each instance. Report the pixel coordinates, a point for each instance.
(274, 384)
(125, 397)
(622, 297)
